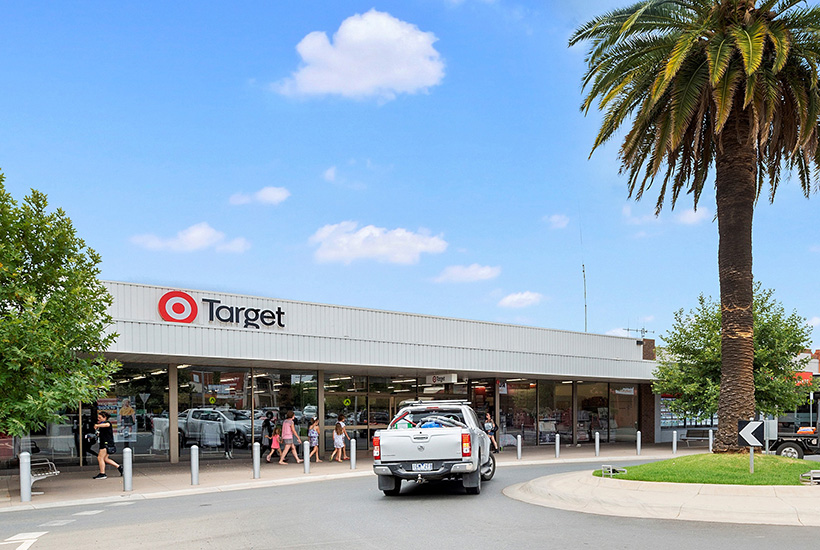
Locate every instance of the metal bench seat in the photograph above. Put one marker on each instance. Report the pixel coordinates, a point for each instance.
(42, 468)
(695, 435)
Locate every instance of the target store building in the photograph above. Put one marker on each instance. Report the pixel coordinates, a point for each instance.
(193, 359)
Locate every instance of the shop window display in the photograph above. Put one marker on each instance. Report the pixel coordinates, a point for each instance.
(517, 412)
(554, 411)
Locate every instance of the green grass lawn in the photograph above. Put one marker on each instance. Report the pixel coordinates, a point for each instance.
(727, 469)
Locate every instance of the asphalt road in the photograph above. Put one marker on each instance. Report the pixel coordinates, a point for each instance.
(352, 514)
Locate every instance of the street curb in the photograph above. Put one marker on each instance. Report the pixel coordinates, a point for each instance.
(582, 492)
(126, 497)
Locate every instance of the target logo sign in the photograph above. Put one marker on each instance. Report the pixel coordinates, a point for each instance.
(177, 307)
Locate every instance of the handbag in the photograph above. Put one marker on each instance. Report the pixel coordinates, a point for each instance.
(111, 449)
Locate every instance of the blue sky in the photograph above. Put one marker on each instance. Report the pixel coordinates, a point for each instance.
(426, 156)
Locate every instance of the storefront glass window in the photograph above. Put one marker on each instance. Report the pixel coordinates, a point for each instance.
(623, 412)
(221, 409)
(482, 396)
(346, 396)
(593, 411)
(517, 412)
(554, 411)
(403, 387)
(335, 383)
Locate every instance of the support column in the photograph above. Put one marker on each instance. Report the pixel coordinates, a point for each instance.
(574, 413)
(646, 413)
(320, 408)
(173, 412)
(497, 408)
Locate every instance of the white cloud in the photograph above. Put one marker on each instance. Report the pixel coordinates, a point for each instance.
(200, 236)
(330, 174)
(344, 242)
(814, 321)
(266, 195)
(521, 299)
(557, 221)
(626, 211)
(618, 332)
(238, 246)
(467, 274)
(692, 216)
(371, 55)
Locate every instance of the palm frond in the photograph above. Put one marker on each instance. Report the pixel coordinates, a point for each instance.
(750, 42)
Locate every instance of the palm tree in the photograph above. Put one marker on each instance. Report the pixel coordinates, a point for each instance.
(729, 83)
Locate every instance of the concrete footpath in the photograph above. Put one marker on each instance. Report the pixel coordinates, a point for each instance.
(576, 491)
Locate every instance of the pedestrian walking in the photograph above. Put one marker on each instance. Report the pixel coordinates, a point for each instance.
(289, 436)
(105, 433)
(267, 430)
(275, 443)
(338, 442)
(491, 428)
(313, 437)
(344, 431)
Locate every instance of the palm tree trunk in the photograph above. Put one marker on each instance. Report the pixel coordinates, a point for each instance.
(736, 164)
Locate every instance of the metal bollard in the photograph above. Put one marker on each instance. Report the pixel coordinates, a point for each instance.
(638, 443)
(597, 443)
(306, 455)
(557, 445)
(352, 453)
(711, 440)
(25, 476)
(127, 469)
(518, 446)
(194, 465)
(675, 442)
(257, 460)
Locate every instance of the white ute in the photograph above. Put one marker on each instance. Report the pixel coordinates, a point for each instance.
(433, 440)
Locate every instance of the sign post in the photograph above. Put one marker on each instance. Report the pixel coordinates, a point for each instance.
(750, 433)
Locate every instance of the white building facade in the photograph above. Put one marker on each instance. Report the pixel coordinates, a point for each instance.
(185, 352)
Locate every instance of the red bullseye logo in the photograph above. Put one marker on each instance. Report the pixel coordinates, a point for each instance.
(177, 307)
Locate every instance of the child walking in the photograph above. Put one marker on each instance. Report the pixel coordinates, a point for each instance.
(338, 442)
(344, 431)
(275, 443)
(313, 437)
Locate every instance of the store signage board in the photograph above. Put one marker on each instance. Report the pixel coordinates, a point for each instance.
(750, 433)
(442, 378)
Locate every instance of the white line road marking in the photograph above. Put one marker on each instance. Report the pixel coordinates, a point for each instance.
(23, 540)
(89, 513)
(57, 523)
(27, 536)
(121, 504)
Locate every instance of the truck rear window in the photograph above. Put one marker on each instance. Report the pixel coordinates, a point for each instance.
(435, 418)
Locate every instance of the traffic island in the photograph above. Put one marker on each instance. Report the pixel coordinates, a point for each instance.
(583, 492)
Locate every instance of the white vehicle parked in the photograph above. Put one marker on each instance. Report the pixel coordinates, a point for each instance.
(433, 440)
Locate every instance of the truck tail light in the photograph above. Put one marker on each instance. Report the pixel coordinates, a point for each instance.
(377, 448)
(466, 445)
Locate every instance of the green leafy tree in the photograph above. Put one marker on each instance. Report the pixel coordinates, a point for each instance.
(697, 85)
(53, 316)
(690, 364)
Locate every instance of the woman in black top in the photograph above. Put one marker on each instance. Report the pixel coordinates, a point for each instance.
(106, 431)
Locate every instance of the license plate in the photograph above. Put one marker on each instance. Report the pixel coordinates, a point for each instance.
(423, 467)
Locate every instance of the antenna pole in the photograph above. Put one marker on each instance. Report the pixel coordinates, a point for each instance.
(584, 273)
